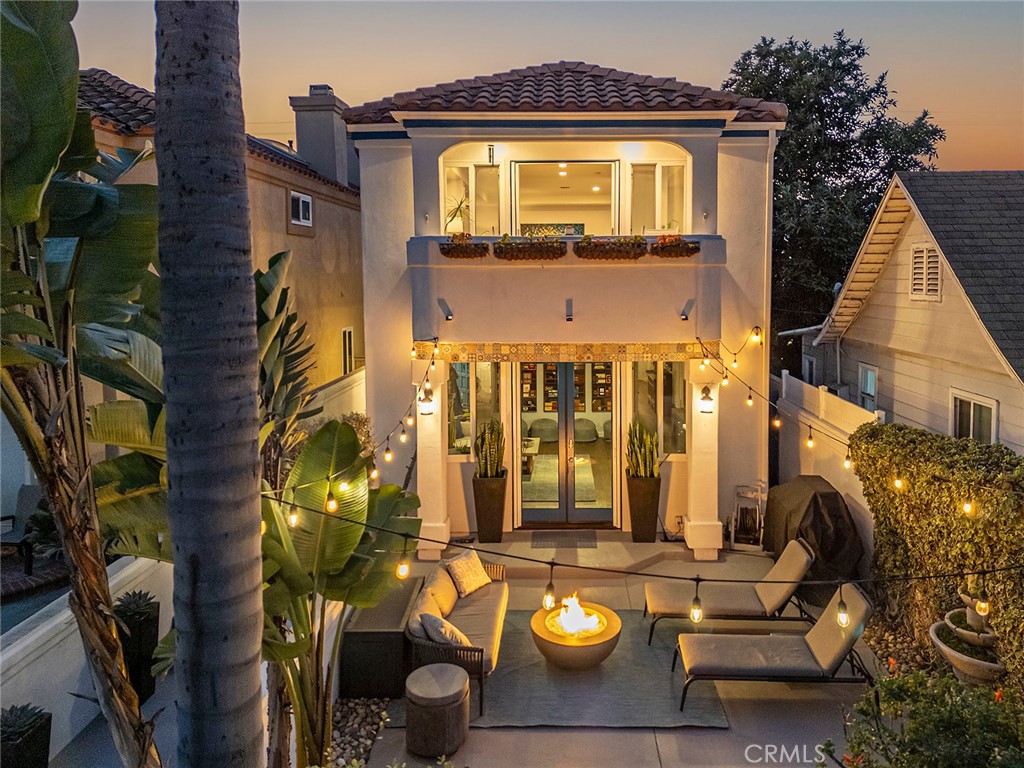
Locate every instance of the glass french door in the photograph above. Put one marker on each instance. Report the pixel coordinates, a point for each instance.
(566, 474)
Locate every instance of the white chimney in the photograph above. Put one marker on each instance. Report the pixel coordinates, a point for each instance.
(320, 134)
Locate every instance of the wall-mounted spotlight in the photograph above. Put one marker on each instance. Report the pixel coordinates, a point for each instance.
(445, 310)
(684, 313)
(568, 310)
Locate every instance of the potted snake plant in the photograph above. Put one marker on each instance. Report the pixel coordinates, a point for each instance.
(489, 482)
(643, 483)
(25, 736)
(139, 614)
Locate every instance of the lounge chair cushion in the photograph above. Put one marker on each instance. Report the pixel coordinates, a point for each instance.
(442, 631)
(425, 604)
(792, 566)
(441, 586)
(767, 656)
(467, 572)
(830, 643)
(673, 598)
(480, 617)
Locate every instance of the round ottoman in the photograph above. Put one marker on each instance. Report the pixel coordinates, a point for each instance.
(437, 710)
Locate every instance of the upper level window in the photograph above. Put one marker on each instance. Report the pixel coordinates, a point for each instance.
(472, 199)
(302, 209)
(925, 274)
(868, 387)
(974, 416)
(657, 203)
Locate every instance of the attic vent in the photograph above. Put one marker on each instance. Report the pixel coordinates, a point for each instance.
(925, 274)
(321, 89)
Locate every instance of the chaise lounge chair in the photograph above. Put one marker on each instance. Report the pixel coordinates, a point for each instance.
(671, 599)
(812, 658)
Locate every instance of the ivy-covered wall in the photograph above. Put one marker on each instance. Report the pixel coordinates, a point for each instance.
(922, 527)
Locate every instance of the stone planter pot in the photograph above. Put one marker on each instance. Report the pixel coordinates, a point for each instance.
(464, 250)
(986, 638)
(644, 501)
(32, 750)
(966, 669)
(489, 500)
(527, 250)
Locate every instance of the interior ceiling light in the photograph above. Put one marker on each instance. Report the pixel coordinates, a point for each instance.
(596, 188)
(563, 173)
(562, 165)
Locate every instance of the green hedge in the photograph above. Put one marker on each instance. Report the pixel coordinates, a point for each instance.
(923, 529)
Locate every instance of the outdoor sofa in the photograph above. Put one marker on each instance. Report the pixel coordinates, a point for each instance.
(787, 658)
(666, 598)
(479, 616)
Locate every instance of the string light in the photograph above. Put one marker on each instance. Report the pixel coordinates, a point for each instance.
(388, 455)
(548, 601)
(777, 422)
(403, 437)
(331, 505)
(696, 611)
(374, 474)
(725, 379)
(343, 486)
(842, 614)
(705, 362)
(750, 396)
(898, 483)
(437, 349)
(404, 568)
(413, 352)
(433, 365)
(735, 363)
(982, 606)
(810, 436)
(427, 386)
(409, 420)
(293, 518)
(756, 335)
(848, 461)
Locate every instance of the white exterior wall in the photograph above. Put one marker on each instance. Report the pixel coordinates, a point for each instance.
(924, 349)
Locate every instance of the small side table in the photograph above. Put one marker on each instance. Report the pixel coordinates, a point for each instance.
(437, 710)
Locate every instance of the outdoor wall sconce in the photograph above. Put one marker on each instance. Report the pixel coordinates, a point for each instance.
(684, 313)
(446, 310)
(568, 310)
(426, 403)
(706, 404)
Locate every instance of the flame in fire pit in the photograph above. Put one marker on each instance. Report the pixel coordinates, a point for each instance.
(573, 621)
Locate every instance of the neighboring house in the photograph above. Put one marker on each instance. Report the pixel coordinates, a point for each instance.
(566, 353)
(929, 325)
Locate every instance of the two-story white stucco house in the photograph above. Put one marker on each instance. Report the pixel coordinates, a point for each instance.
(567, 351)
(929, 324)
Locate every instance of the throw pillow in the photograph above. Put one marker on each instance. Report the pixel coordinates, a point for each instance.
(425, 605)
(441, 586)
(443, 631)
(467, 572)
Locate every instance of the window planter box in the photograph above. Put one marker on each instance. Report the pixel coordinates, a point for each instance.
(530, 250)
(464, 250)
(675, 249)
(610, 249)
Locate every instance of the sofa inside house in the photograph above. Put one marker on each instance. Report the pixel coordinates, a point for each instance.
(459, 615)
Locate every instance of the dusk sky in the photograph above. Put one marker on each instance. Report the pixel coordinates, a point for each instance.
(964, 62)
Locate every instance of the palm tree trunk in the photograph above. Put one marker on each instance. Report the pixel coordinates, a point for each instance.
(210, 373)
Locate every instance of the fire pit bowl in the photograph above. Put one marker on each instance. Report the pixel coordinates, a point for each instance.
(582, 650)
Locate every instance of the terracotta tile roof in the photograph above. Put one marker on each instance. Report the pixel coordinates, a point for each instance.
(568, 86)
(977, 219)
(131, 110)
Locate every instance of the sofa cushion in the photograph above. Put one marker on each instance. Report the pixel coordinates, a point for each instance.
(443, 631)
(425, 604)
(758, 656)
(481, 616)
(467, 572)
(441, 586)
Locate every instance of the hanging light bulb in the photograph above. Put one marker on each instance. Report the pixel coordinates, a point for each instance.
(433, 365)
(548, 601)
(696, 611)
(427, 385)
(293, 518)
(750, 396)
(331, 505)
(755, 336)
(725, 379)
(343, 486)
(705, 362)
(847, 462)
(409, 420)
(437, 349)
(968, 508)
(777, 422)
(388, 455)
(735, 363)
(810, 437)
(374, 474)
(412, 353)
(898, 483)
(404, 568)
(842, 614)
(982, 605)
(404, 436)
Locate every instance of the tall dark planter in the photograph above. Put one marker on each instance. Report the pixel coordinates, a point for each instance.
(138, 643)
(30, 751)
(644, 499)
(489, 499)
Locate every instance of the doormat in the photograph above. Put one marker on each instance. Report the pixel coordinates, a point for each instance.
(633, 688)
(563, 540)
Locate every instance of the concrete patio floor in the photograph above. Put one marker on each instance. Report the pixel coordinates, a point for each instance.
(772, 724)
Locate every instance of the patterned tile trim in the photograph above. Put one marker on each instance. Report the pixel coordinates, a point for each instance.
(529, 352)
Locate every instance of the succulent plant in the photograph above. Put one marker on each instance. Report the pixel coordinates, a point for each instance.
(18, 720)
(641, 452)
(136, 605)
(490, 449)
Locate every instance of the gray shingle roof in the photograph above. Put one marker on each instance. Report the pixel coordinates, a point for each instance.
(977, 218)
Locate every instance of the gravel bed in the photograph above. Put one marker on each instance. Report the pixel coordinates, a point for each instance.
(356, 725)
(896, 650)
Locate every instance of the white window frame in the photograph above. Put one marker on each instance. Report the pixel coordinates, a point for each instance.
(302, 198)
(661, 225)
(974, 399)
(471, 167)
(616, 197)
(930, 256)
(348, 352)
(861, 368)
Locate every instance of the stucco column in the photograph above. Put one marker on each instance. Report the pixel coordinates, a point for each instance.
(431, 467)
(704, 176)
(701, 526)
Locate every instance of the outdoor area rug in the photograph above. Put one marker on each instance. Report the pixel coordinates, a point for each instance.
(563, 540)
(633, 688)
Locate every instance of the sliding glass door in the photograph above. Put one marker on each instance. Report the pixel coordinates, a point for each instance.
(566, 473)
